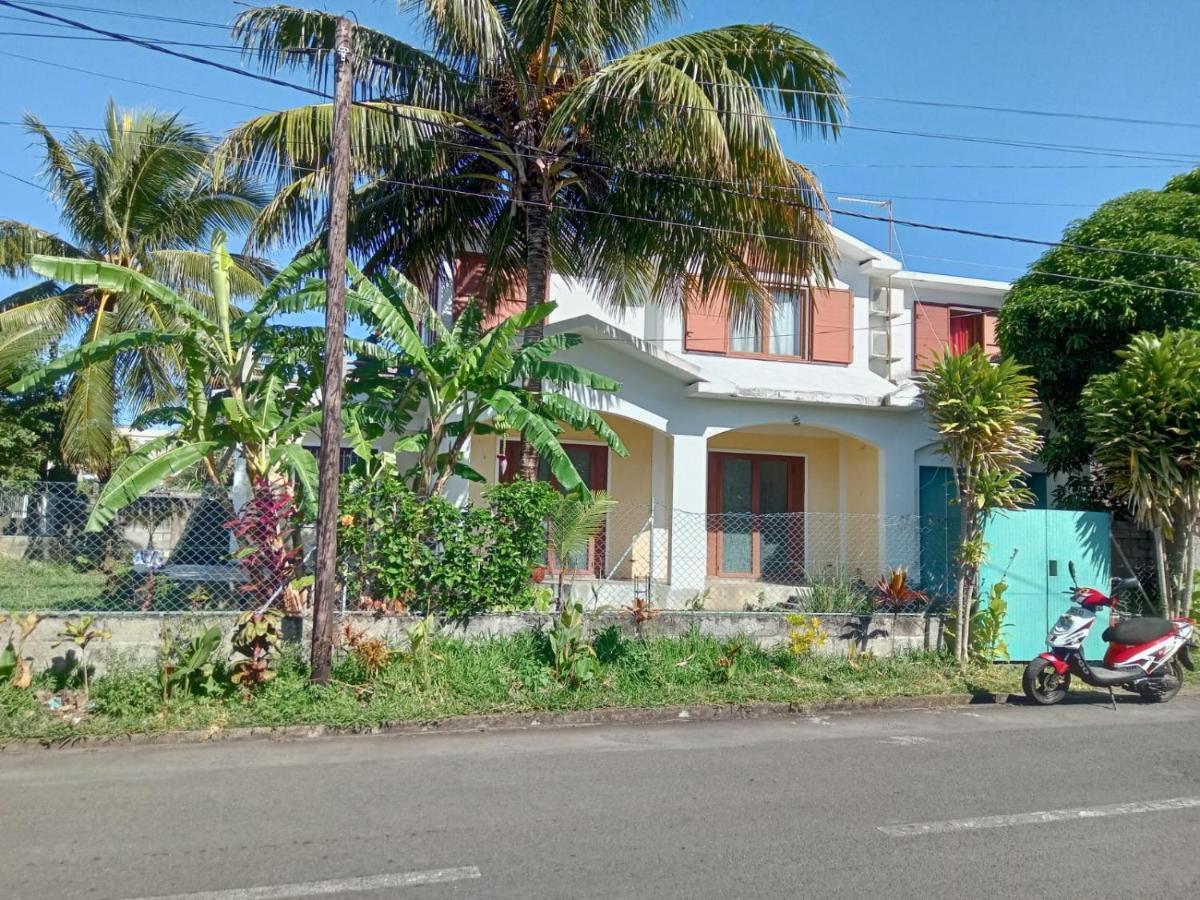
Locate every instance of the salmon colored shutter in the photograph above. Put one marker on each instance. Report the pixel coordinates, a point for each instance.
(706, 325)
(469, 283)
(931, 334)
(832, 326)
(990, 345)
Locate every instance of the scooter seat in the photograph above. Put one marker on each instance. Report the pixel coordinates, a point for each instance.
(1140, 630)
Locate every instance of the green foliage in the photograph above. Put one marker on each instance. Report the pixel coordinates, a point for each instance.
(14, 668)
(500, 675)
(575, 661)
(185, 664)
(1143, 420)
(249, 383)
(82, 634)
(573, 521)
(835, 593)
(1065, 327)
(256, 637)
(434, 555)
(805, 635)
(137, 194)
(986, 415)
(985, 637)
(463, 381)
(725, 666)
(591, 86)
(31, 434)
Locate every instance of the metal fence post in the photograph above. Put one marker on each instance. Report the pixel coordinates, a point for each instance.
(650, 571)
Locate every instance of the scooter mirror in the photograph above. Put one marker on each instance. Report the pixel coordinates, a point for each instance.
(1071, 569)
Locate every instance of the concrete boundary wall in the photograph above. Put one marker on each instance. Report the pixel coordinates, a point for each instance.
(136, 638)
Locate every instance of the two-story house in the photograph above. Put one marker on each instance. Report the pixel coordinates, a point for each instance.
(763, 453)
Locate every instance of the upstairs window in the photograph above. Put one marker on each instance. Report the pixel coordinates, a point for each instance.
(966, 330)
(779, 330)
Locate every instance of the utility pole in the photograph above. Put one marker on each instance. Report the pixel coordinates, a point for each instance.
(329, 461)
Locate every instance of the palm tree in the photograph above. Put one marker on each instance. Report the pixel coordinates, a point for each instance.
(551, 136)
(136, 195)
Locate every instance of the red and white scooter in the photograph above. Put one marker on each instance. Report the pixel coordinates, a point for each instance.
(1145, 655)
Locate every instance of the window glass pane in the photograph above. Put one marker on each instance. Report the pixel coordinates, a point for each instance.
(736, 521)
(785, 324)
(774, 530)
(746, 336)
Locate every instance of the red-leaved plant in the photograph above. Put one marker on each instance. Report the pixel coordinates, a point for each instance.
(266, 529)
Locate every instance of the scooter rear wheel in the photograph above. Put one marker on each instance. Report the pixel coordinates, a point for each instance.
(1172, 675)
(1042, 683)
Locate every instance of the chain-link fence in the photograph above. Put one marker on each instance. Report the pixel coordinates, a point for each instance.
(172, 551)
(168, 551)
(803, 562)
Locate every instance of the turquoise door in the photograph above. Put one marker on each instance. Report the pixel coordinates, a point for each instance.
(1031, 550)
(1016, 552)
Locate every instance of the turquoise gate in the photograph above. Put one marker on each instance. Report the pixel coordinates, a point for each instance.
(1030, 549)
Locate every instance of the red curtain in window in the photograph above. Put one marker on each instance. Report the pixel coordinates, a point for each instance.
(965, 332)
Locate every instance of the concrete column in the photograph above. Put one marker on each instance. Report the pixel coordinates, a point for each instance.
(689, 504)
(900, 538)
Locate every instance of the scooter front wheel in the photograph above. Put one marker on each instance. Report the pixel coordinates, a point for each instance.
(1042, 683)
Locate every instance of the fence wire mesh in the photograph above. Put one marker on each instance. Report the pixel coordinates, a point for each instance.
(168, 551)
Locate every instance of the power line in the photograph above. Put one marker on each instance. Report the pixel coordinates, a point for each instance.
(1029, 145)
(129, 39)
(83, 37)
(874, 98)
(322, 94)
(100, 11)
(148, 84)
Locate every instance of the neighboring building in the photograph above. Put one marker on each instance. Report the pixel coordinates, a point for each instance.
(765, 453)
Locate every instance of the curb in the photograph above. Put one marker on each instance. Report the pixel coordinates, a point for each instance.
(518, 721)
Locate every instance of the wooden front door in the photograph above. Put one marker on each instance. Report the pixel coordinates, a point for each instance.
(756, 522)
(591, 462)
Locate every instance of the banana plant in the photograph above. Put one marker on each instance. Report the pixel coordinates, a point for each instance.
(251, 383)
(435, 385)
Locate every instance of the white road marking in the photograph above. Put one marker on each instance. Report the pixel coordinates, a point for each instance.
(1038, 818)
(333, 886)
(906, 740)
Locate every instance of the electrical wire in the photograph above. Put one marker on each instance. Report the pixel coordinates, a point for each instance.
(1114, 152)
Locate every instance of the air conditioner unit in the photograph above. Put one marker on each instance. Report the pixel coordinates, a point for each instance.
(879, 344)
(887, 302)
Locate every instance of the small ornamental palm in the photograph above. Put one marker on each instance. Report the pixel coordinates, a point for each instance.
(986, 415)
(1144, 421)
(138, 195)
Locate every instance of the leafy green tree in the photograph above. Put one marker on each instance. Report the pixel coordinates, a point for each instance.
(986, 415)
(552, 136)
(30, 435)
(136, 195)
(252, 383)
(1067, 317)
(1144, 422)
(436, 386)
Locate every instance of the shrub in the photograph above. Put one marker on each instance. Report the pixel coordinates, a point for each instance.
(458, 561)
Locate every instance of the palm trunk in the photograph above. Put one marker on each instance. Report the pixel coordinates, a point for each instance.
(1164, 585)
(537, 290)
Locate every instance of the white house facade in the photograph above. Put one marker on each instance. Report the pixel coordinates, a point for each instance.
(765, 453)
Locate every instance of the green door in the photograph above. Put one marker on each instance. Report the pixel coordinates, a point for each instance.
(1031, 549)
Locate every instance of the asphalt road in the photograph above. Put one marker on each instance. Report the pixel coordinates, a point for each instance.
(782, 808)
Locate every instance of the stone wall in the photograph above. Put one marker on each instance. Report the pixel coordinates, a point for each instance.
(136, 637)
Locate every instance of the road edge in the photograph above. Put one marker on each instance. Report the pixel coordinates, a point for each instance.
(494, 722)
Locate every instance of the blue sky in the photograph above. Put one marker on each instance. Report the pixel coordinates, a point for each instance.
(1100, 57)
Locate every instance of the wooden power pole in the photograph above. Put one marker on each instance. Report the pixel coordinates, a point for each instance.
(329, 463)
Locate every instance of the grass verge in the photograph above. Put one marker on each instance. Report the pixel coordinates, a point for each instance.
(500, 675)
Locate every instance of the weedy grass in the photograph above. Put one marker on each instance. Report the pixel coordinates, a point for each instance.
(498, 675)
